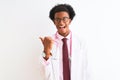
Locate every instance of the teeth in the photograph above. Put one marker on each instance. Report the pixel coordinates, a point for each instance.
(61, 26)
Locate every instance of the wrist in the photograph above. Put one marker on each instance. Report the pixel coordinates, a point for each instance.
(46, 51)
(46, 55)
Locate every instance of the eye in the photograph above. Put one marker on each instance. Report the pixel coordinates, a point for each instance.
(65, 19)
(57, 19)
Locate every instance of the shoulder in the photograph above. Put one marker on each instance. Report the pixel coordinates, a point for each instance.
(78, 39)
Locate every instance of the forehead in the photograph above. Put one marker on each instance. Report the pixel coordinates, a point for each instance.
(61, 14)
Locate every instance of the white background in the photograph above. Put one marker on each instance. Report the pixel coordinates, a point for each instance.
(23, 21)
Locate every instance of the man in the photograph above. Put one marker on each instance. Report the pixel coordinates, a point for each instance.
(62, 57)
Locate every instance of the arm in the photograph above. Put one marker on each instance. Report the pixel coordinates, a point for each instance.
(45, 68)
(45, 61)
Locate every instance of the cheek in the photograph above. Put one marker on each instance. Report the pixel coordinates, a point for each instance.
(56, 27)
(55, 23)
(68, 23)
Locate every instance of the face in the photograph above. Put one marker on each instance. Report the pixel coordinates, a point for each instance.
(62, 22)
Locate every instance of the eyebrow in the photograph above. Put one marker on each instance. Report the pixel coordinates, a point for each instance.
(61, 18)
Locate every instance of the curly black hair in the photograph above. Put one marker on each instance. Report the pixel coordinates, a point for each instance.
(62, 7)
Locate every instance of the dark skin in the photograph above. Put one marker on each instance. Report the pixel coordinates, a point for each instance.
(62, 28)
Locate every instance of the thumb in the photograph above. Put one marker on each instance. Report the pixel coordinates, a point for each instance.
(41, 39)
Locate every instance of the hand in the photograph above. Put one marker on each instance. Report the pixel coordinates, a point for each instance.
(47, 43)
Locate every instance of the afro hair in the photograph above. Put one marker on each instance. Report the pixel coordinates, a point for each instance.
(62, 7)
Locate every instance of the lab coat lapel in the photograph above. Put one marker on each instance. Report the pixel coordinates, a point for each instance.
(55, 63)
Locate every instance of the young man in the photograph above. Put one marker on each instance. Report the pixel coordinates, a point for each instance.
(62, 57)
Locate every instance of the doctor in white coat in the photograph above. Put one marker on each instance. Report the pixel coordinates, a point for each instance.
(51, 65)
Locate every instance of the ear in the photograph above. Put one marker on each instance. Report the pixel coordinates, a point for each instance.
(53, 21)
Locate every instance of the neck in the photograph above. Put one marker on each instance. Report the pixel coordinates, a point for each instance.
(66, 34)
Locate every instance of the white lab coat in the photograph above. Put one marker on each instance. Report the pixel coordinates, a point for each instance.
(78, 63)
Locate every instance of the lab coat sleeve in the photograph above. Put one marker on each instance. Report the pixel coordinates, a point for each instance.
(45, 69)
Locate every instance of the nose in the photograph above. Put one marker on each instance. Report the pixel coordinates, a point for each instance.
(61, 22)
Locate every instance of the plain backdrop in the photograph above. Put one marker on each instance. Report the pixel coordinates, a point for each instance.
(22, 22)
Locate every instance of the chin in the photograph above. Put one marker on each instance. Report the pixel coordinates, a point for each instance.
(63, 34)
